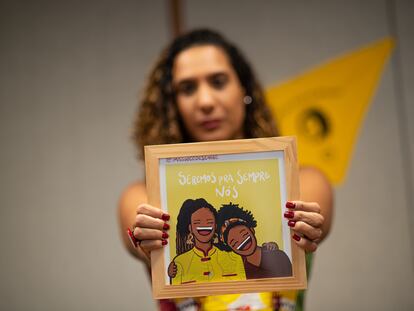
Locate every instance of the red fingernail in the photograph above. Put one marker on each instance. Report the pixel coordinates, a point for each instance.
(289, 214)
(291, 223)
(164, 242)
(166, 226)
(296, 237)
(165, 235)
(290, 205)
(132, 238)
(165, 217)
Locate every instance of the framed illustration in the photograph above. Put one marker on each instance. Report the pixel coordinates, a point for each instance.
(226, 200)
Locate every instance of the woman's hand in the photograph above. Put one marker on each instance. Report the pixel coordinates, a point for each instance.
(150, 228)
(306, 222)
(270, 246)
(172, 269)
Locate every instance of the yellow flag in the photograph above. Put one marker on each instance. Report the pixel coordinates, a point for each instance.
(324, 107)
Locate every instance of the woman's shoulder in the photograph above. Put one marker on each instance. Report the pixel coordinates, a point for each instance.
(227, 254)
(133, 190)
(313, 180)
(133, 194)
(187, 253)
(184, 257)
(311, 172)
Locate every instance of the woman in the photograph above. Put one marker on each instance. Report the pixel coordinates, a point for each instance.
(203, 89)
(198, 260)
(237, 234)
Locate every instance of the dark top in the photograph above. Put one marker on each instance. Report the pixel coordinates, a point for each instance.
(274, 263)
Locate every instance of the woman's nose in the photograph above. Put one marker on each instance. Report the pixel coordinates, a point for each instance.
(205, 99)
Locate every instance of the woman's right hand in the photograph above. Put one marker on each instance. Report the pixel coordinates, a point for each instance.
(172, 270)
(150, 228)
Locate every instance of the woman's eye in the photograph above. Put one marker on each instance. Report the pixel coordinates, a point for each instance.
(186, 88)
(219, 81)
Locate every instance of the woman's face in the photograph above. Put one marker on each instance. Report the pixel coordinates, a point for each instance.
(242, 240)
(208, 94)
(203, 225)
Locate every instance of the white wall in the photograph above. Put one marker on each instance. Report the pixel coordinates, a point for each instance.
(404, 81)
(70, 76)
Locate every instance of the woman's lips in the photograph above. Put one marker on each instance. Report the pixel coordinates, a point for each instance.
(204, 230)
(210, 124)
(245, 244)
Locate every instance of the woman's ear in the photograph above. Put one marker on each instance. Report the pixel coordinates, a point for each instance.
(189, 228)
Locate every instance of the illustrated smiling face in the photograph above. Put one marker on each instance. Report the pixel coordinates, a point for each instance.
(242, 240)
(203, 225)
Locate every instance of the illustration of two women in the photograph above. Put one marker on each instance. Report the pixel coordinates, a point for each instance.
(198, 258)
(222, 246)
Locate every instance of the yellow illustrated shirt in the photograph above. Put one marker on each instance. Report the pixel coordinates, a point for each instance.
(215, 266)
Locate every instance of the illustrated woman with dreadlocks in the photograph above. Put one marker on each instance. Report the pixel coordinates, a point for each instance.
(236, 233)
(198, 259)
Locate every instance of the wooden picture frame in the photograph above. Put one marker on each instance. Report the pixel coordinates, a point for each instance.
(257, 176)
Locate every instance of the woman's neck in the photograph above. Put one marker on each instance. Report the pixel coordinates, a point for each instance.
(205, 247)
(255, 258)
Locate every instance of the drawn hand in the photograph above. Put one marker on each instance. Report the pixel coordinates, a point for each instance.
(172, 269)
(270, 246)
(150, 228)
(306, 222)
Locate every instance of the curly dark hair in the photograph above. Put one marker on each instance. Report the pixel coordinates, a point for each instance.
(184, 220)
(158, 120)
(239, 217)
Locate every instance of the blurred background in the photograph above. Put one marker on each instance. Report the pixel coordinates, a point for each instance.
(71, 73)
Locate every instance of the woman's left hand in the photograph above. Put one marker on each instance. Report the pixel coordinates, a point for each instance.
(306, 222)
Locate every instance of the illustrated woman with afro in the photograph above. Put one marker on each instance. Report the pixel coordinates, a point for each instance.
(198, 259)
(236, 233)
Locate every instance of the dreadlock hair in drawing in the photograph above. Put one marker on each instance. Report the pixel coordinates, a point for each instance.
(229, 216)
(184, 220)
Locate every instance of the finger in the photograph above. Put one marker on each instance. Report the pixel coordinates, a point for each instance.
(304, 206)
(304, 243)
(304, 229)
(145, 221)
(150, 245)
(135, 242)
(313, 219)
(152, 211)
(149, 234)
(270, 246)
(172, 269)
(132, 238)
